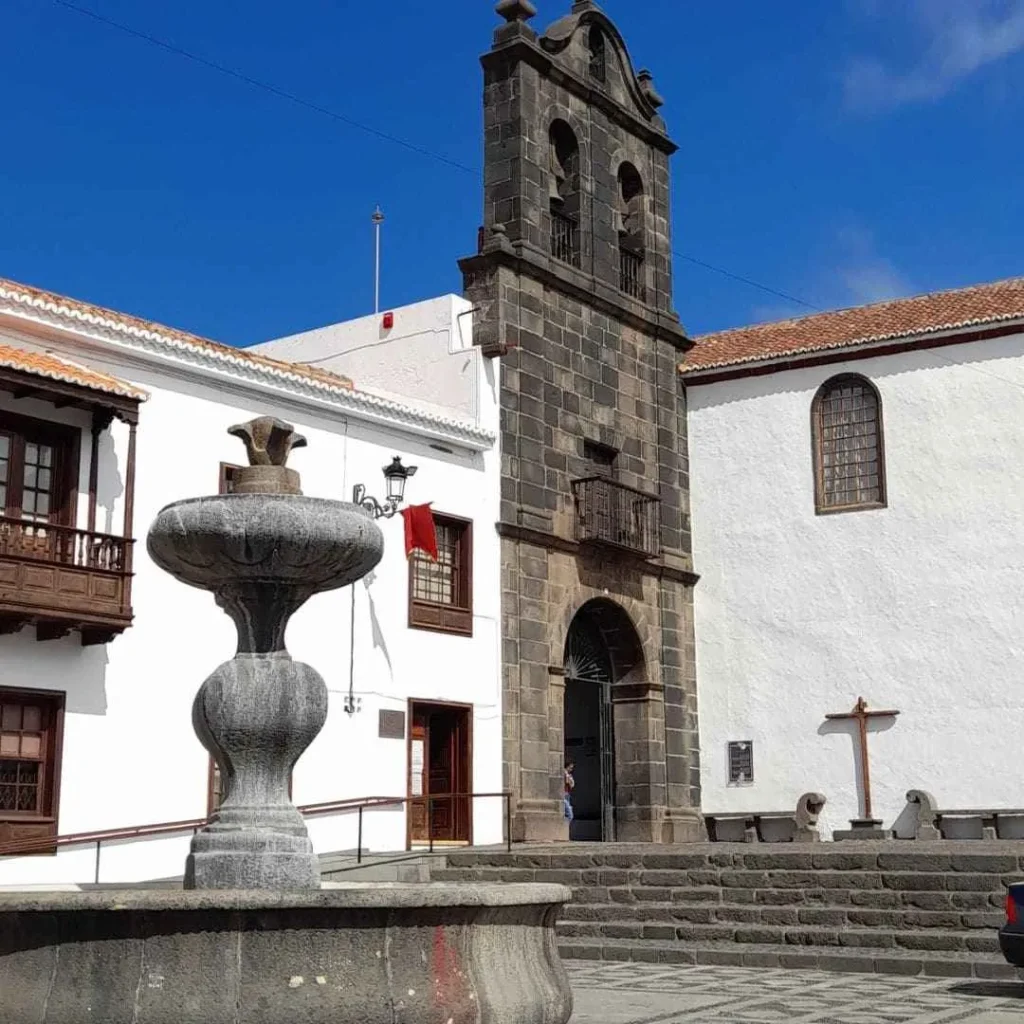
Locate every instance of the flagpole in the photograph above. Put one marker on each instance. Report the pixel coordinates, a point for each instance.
(378, 220)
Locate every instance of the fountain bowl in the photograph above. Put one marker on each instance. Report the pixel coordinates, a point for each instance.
(286, 539)
(435, 953)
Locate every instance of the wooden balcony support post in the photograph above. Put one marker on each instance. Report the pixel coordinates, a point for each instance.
(129, 509)
(101, 419)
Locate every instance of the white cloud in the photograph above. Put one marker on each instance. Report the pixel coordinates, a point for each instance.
(858, 276)
(863, 275)
(955, 38)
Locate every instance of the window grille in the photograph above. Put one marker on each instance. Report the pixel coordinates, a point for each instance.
(741, 763)
(849, 471)
(631, 275)
(564, 239)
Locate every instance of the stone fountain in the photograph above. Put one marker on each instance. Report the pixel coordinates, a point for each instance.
(253, 938)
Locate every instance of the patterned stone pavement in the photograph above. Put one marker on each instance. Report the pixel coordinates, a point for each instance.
(632, 993)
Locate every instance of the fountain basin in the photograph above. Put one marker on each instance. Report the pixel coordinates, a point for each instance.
(292, 540)
(356, 954)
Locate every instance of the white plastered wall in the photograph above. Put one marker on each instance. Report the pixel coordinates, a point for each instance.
(130, 756)
(917, 607)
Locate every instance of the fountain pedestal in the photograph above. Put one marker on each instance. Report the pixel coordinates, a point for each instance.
(253, 937)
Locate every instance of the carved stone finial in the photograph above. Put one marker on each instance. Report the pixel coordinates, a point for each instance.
(646, 80)
(497, 239)
(516, 10)
(268, 443)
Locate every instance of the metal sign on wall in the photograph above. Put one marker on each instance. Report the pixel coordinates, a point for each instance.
(392, 725)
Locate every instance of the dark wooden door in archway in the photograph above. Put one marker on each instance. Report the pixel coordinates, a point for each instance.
(589, 730)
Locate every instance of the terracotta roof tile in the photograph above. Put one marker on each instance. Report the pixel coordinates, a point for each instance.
(882, 321)
(87, 309)
(43, 364)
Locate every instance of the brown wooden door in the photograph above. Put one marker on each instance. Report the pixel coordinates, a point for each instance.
(439, 774)
(418, 778)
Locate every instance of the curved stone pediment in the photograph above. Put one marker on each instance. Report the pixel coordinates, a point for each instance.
(639, 86)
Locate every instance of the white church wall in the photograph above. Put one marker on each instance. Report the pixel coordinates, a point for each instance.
(916, 607)
(130, 756)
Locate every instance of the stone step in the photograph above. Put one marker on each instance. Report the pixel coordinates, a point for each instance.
(800, 881)
(909, 963)
(980, 857)
(831, 916)
(803, 935)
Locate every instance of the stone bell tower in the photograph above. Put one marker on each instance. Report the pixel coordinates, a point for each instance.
(573, 283)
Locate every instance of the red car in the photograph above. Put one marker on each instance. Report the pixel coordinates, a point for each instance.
(1011, 935)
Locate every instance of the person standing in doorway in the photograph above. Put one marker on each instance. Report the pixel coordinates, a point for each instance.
(570, 785)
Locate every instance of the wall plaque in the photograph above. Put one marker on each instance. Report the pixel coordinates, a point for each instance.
(392, 725)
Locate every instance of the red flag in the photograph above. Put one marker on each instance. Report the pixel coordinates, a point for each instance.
(419, 530)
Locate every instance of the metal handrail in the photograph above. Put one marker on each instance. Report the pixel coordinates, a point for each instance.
(32, 845)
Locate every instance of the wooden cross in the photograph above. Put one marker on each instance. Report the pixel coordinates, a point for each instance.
(861, 716)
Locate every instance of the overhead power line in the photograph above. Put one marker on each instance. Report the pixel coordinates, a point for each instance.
(746, 280)
(412, 147)
(258, 84)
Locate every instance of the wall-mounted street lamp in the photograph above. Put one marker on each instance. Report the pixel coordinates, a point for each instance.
(395, 476)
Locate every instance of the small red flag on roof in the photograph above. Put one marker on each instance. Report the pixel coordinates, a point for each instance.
(419, 531)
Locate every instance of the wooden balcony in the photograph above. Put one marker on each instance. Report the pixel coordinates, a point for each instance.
(617, 516)
(59, 578)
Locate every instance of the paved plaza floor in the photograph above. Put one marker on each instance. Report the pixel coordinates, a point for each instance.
(631, 993)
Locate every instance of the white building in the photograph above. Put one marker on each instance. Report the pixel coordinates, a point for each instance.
(101, 653)
(834, 566)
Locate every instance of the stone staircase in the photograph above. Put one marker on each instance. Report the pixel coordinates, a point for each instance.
(893, 907)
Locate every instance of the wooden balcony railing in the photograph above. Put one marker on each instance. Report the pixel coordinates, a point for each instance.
(631, 274)
(62, 575)
(618, 516)
(61, 545)
(565, 234)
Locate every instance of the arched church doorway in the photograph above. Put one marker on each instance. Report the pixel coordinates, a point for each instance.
(602, 648)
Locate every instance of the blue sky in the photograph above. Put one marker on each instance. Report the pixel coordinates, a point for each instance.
(839, 152)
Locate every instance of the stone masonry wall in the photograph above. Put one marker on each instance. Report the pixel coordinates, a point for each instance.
(582, 363)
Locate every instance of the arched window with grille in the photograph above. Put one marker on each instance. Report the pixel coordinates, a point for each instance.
(630, 216)
(849, 455)
(564, 193)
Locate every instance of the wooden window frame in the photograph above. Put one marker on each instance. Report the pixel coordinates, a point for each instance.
(820, 507)
(436, 617)
(66, 441)
(34, 824)
(227, 472)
